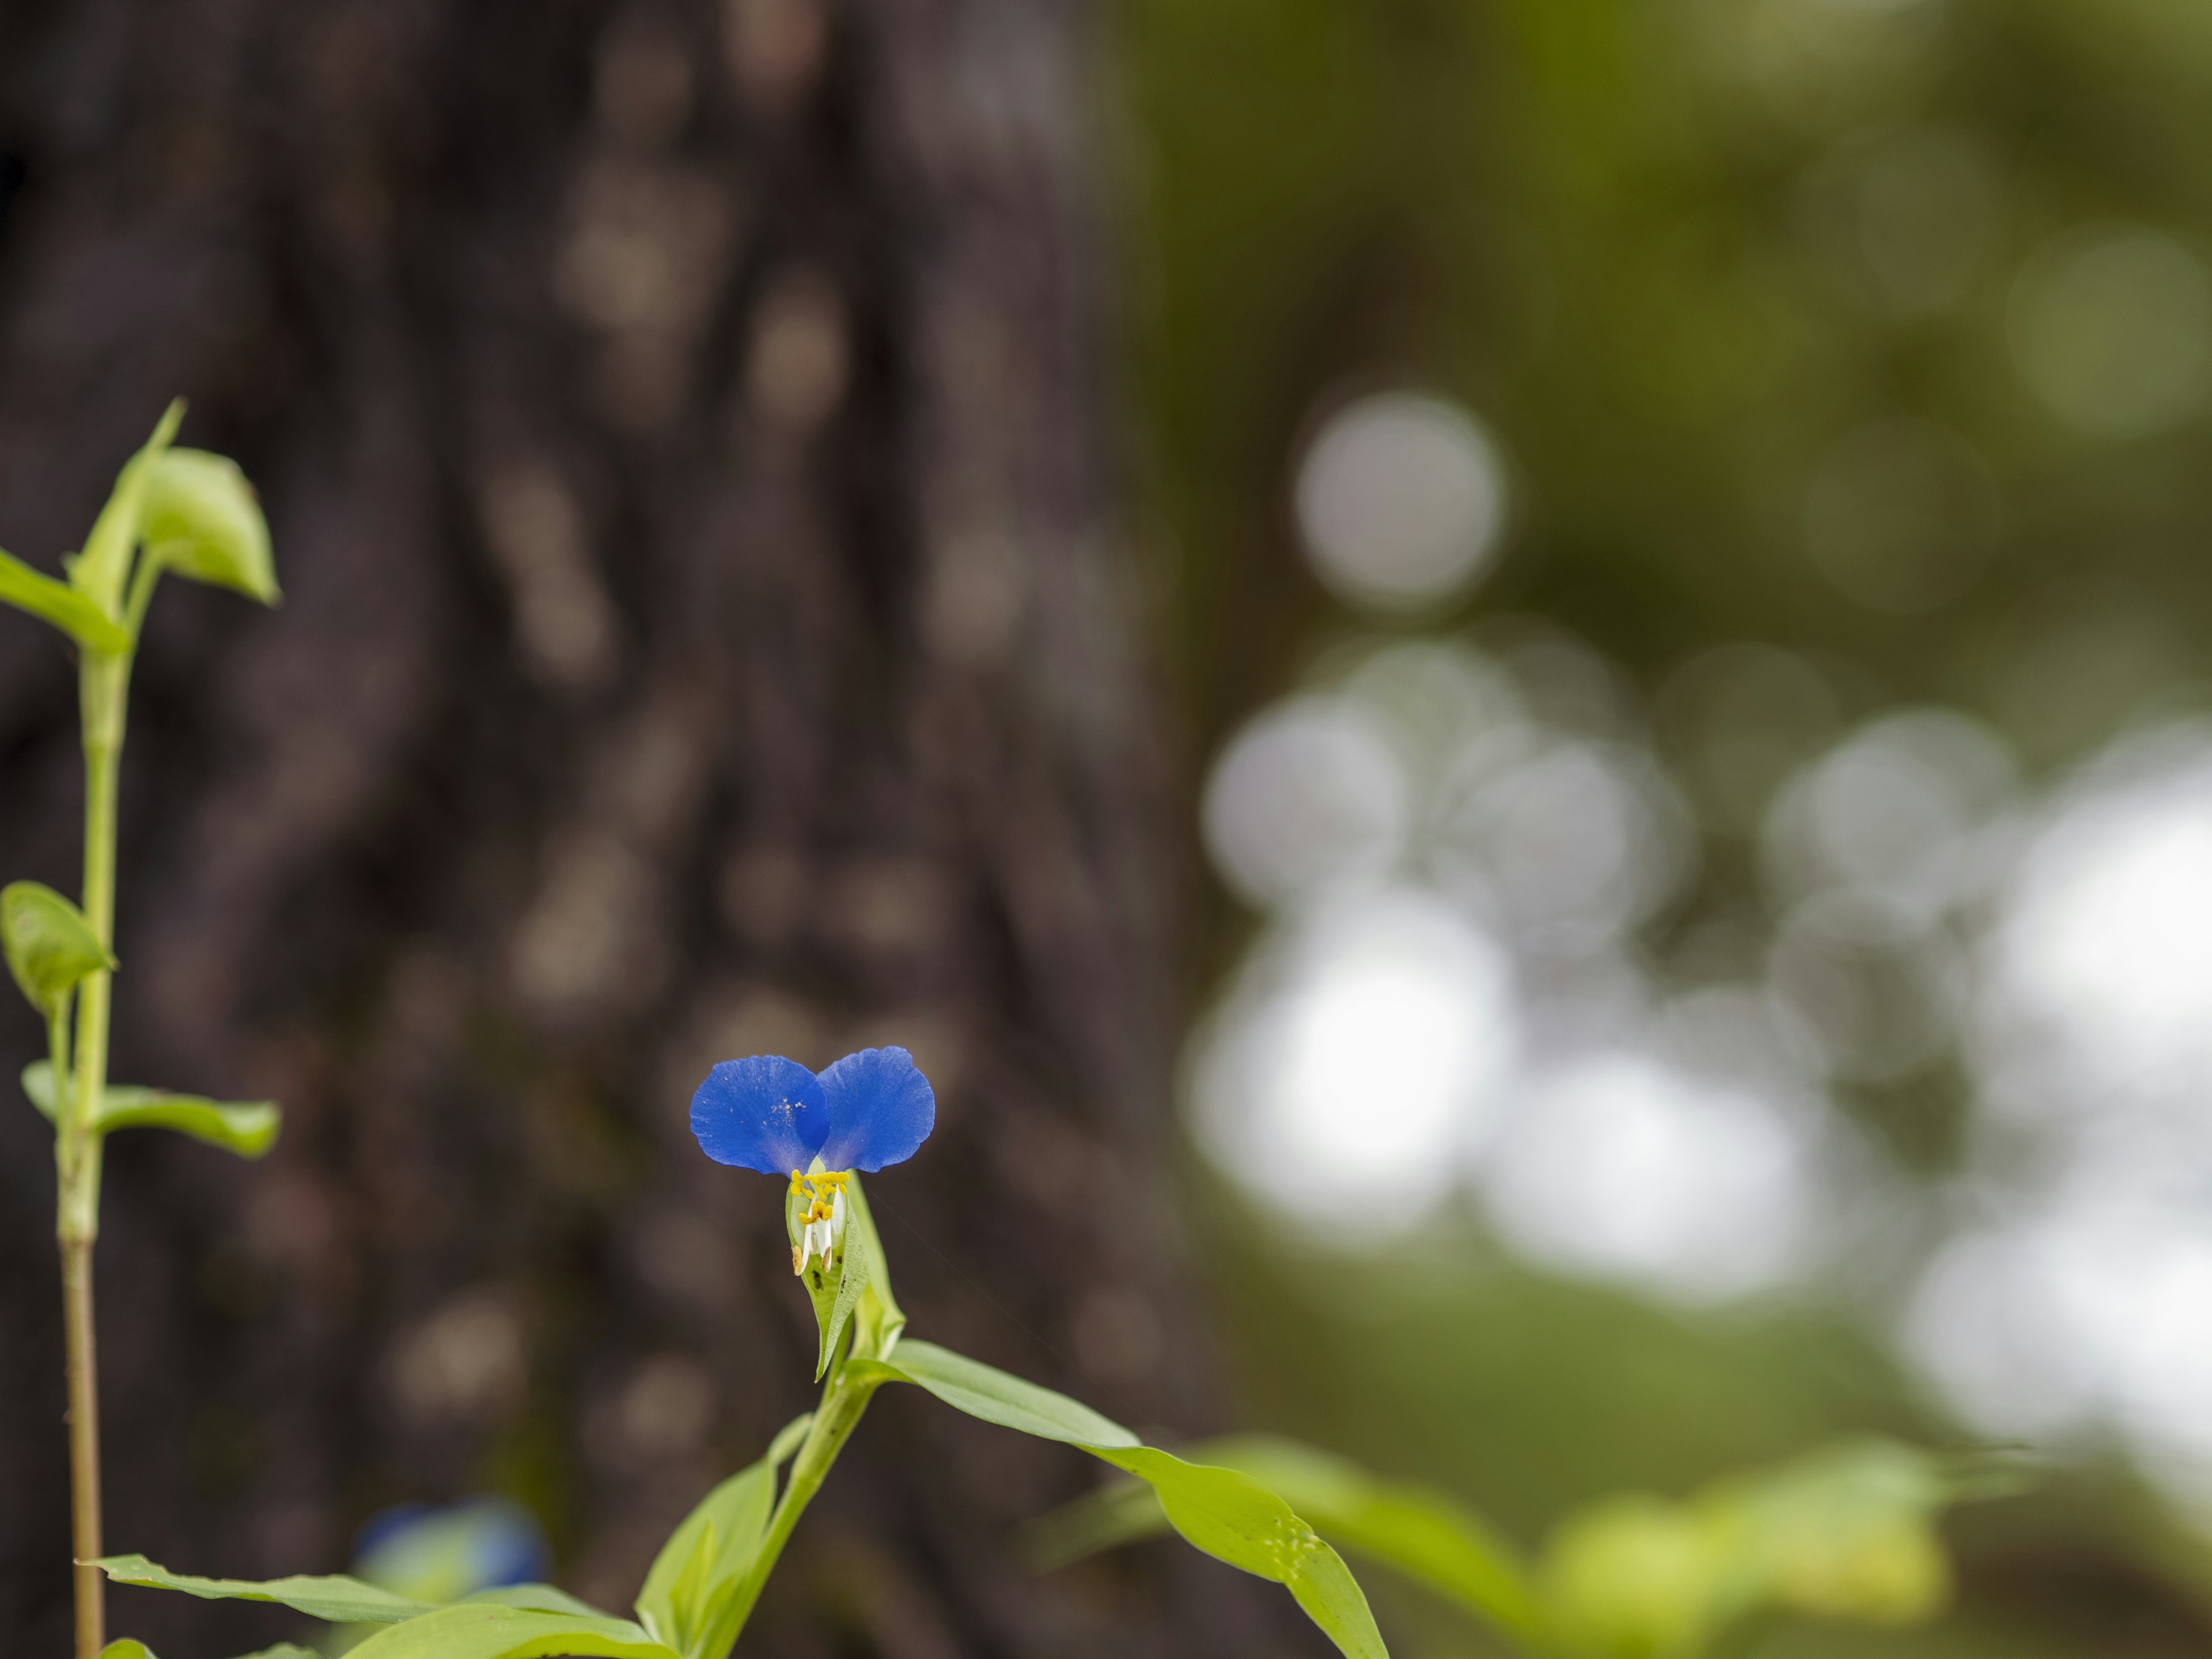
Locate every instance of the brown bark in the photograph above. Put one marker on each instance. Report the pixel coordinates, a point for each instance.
(704, 633)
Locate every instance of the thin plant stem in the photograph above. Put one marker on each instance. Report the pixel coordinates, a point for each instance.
(84, 1446)
(104, 684)
(842, 1403)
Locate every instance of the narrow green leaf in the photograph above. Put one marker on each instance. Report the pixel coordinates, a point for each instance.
(199, 517)
(58, 603)
(248, 1128)
(281, 1650)
(480, 1629)
(50, 947)
(1427, 1535)
(1228, 1515)
(1233, 1518)
(685, 1601)
(98, 572)
(342, 1601)
(984, 1391)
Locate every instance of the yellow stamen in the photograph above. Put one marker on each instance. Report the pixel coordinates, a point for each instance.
(820, 1193)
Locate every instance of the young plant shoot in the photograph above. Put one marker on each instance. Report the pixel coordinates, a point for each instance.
(172, 510)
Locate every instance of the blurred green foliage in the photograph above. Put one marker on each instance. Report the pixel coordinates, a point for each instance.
(1681, 257)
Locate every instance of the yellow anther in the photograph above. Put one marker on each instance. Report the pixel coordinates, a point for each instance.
(821, 1188)
(821, 1195)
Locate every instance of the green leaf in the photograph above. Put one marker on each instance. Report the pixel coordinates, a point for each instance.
(281, 1650)
(248, 1127)
(62, 605)
(50, 945)
(199, 517)
(340, 1600)
(686, 1600)
(98, 572)
(481, 1630)
(984, 1391)
(1233, 1518)
(1228, 1515)
(127, 1649)
(1425, 1533)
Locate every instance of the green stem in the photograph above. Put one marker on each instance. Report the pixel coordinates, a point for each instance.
(104, 684)
(842, 1403)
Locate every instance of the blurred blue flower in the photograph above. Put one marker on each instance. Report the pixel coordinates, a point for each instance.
(769, 1114)
(440, 1555)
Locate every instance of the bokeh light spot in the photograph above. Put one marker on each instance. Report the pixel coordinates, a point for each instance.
(2113, 327)
(1400, 501)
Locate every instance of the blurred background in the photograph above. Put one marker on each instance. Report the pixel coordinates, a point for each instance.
(1511, 693)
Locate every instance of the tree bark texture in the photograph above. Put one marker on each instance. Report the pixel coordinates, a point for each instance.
(705, 634)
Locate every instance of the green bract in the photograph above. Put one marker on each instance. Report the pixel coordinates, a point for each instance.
(50, 947)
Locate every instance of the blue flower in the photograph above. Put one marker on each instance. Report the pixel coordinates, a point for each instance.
(442, 1555)
(769, 1114)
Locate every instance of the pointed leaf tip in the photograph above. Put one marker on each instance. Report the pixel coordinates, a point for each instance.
(99, 571)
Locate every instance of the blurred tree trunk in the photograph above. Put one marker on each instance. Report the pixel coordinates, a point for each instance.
(705, 634)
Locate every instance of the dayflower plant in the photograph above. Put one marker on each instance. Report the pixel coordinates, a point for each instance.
(1849, 1536)
(819, 1134)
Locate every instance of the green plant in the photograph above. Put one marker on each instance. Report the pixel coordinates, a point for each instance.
(172, 510)
(774, 1115)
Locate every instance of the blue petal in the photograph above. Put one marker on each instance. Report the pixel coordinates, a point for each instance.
(766, 1112)
(881, 1109)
